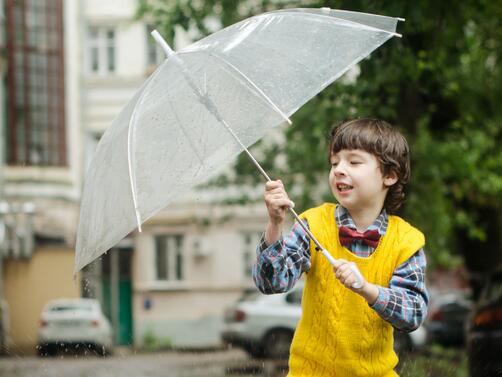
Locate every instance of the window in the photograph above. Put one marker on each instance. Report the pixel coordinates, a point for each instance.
(35, 83)
(101, 50)
(249, 254)
(169, 257)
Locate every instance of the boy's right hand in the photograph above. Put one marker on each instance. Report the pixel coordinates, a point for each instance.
(277, 202)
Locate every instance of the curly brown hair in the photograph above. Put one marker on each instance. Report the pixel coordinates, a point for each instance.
(385, 142)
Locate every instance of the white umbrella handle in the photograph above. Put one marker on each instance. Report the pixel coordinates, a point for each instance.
(359, 278)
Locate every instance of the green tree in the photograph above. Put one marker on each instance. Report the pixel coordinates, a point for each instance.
(440, 84)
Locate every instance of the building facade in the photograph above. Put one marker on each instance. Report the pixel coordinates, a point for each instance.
(40, 169)
(71, 66)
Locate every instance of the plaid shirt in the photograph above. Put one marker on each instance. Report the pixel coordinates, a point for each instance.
(403, 304)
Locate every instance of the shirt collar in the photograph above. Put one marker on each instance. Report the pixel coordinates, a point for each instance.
(343, 218)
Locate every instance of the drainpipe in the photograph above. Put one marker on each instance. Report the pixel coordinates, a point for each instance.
(114, 292)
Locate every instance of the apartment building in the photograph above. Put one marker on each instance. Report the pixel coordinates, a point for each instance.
(70, 67)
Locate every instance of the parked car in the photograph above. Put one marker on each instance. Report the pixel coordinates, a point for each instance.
(484, 334)
(447, 318)
(73, 322)
(263, 325)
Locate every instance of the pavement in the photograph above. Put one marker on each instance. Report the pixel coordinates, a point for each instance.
(127, 362)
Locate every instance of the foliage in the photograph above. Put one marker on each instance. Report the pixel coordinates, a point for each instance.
(439, 84)
(153, 343)
(436, 362)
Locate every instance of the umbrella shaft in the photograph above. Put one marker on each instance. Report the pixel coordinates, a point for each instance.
(305, 228)
(264, 173)
(256, 163)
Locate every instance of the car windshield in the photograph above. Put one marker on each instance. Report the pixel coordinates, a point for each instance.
(70, 307)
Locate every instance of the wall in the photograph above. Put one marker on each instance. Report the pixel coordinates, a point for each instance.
(29, 285)
(189, 313)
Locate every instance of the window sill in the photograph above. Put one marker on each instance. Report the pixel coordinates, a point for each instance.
(39, 174)
(173, 286)
(161, 285)
(96, 81)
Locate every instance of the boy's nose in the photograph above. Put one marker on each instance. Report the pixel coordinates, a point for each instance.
(339, 169)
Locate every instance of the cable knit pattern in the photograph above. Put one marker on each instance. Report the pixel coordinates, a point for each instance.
(339, 334)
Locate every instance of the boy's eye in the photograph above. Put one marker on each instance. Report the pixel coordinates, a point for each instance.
(355, 162)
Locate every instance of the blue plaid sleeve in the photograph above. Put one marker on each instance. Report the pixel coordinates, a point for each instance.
(279, 266)
(404, 303)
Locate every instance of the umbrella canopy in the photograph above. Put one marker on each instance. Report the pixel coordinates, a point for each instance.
(208, 102)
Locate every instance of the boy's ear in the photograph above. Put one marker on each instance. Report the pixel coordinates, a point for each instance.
(390, 179)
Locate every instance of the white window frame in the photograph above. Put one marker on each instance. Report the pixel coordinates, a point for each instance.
(102, 50)
(174, 268)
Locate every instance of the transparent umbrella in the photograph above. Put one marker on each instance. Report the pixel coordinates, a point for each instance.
(207, 103)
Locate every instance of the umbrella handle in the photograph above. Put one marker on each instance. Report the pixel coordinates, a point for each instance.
(359, 278)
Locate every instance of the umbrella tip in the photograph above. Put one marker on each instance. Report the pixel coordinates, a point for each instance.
(162, 42)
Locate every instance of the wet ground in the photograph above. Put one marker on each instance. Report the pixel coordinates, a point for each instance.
(231, 363)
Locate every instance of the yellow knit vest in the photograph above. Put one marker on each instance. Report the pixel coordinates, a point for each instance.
(339, 334)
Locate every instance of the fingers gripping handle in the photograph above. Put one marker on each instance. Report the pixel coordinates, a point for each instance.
(359, 278)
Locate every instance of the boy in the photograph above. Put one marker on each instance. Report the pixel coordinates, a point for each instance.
(346, 331)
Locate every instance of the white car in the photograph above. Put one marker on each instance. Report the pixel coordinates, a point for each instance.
(74, 322)
(263, 325)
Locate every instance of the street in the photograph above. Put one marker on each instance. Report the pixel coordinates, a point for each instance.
(126, 364)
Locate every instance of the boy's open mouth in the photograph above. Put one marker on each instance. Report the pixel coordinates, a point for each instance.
(343, 187)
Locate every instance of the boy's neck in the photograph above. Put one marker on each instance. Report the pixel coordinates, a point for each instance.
(364, 217)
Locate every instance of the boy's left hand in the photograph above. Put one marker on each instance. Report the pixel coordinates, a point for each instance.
(344, 273)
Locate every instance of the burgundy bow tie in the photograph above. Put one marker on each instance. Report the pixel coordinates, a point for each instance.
(369, 238)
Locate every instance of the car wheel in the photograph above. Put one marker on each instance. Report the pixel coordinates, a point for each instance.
(277, 343)
(255, 351)
(46, 350)
(102, 350)
(402, 343)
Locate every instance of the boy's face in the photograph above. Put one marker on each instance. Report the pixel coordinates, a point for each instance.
(357, 181)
